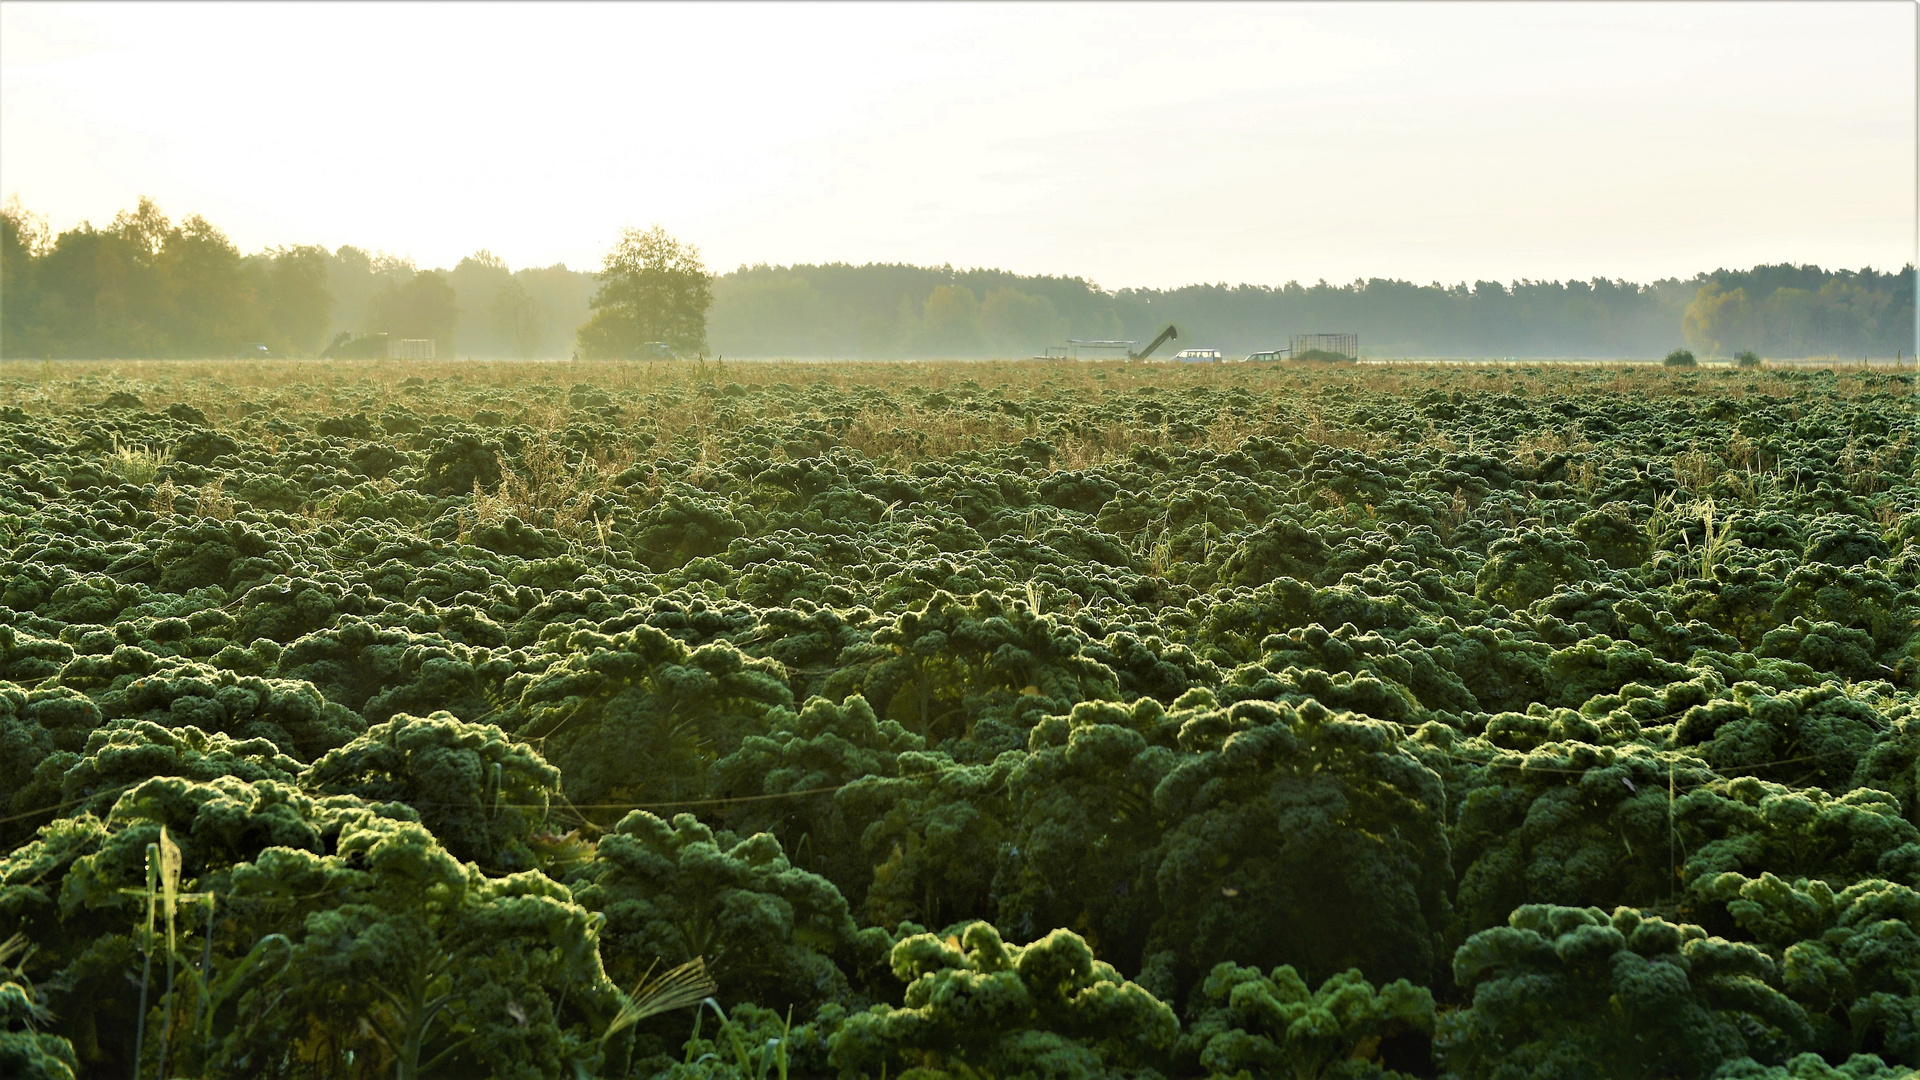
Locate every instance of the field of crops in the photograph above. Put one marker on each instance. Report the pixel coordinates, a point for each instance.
(968, 720)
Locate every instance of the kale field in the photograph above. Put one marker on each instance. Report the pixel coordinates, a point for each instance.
(1052, 722)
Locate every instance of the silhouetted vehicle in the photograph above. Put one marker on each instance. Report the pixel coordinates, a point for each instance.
(253, 350)
(1101, 347)
(348, 346)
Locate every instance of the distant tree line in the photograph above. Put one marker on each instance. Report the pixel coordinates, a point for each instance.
(1789, 310)
(893, 310)
(146, 287)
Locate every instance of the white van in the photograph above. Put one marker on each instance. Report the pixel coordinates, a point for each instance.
(1198, 356)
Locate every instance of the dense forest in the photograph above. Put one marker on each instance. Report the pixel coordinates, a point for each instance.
(146, 287)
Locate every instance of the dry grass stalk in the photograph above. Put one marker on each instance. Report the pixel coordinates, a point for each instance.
(547, 491)
(136, 464)
(212, 502)
(686, 985)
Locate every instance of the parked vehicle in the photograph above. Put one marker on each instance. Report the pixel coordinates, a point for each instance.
(1198, 356)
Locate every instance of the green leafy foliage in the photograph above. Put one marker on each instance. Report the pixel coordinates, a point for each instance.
(1574, 992)
(1851, 957)
(392, 721)
(1529, 567)
(1567, 821)
(811, 757)
(770, 932)
(446, 968)
(1083, 850)
(949, 668)
(1272, 1024)
(640, 716)
(24, 1051)
(482, 796)
(976, 1005)
(1320, 814)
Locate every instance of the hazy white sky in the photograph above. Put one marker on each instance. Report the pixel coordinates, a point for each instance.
(1134, 144)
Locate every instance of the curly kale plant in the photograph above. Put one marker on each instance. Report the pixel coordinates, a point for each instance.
(481, 794)
(769, 932)
(1273, 1025)
(1083, 848)
(642, 717)
(1323, 815)
(1575, 993)
(977, 1006)
(1851, 957)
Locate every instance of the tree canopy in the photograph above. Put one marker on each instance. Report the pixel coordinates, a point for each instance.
(652, 289)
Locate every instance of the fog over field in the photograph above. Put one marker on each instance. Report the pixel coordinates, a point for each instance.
(977, 180)
(148, 287)
(1096, 541)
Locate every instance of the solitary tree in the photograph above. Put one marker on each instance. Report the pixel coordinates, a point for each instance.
(652, 289)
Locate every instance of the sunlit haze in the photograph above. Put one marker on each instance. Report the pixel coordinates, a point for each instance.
(1135, 144)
